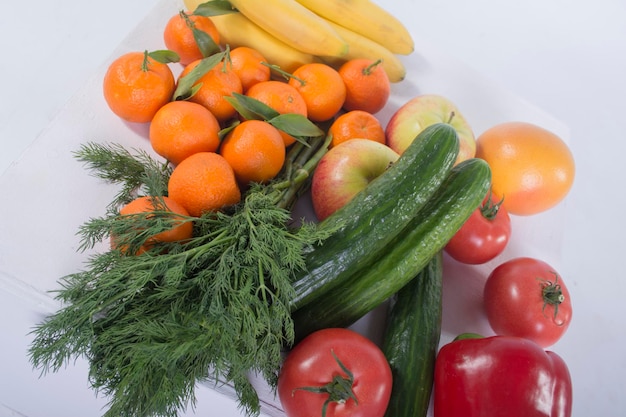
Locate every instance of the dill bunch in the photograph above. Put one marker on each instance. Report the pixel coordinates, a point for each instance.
(214, 308)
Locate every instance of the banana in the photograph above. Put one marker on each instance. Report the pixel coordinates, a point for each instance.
(366, 18)
(362, 47)
(237, 30)
(295, 25)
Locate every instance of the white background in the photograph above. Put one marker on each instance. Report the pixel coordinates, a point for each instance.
(566, 57)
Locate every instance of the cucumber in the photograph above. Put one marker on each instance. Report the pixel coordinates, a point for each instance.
(411, 339)
(405, 255)
(376, 214)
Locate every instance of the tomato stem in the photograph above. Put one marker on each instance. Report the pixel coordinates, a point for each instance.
(339, 390)
(489, 209)
(552, 295)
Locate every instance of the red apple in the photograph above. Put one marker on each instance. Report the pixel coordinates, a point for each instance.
(422, 111)
(345, 170)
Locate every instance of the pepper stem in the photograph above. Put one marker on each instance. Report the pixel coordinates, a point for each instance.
(465, 336)
(339, 390)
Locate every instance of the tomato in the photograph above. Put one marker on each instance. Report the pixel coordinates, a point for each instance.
(526, 297)
(483, 236)
(335, 372)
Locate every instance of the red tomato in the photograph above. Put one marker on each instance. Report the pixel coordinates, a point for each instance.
(483, 236)
(335, 373)
(526, 297)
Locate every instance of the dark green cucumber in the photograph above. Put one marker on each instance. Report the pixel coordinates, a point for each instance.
(409, 252)
(411, 339)
(372, 218)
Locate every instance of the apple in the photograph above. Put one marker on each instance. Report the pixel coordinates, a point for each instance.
(422, 111)
(345, 170)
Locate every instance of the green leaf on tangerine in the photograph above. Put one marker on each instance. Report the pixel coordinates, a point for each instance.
(296, 125)
(251, 108)
(214, 8)
(205, 42)
(185, 88)
(225, 131)
(164, 56)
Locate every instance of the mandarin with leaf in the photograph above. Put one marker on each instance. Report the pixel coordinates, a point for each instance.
(191, 37)
(213, 87)
(281, 97)
(136, 85)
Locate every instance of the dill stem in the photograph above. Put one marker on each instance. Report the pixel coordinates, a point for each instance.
(222, 237)
(262, 286)
(307, 160)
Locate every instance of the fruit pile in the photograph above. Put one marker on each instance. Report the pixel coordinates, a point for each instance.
(228, 102)
(274, 99)
(292, 33)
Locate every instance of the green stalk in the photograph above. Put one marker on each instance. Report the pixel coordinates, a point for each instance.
(304, 165)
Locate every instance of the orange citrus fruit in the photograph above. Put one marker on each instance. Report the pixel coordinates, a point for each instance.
(219, 82)
(255, 150)
(181, 128)
(367, 85)
(356, 124)
(135, 86)
(248, 64)
(183, 230)
(204, 182)
(532, 168)
(281, 97)
(178, 35)
(322, 88)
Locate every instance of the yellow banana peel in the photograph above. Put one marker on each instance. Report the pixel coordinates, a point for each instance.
(362, 47)
(295, 25)
(367, 19)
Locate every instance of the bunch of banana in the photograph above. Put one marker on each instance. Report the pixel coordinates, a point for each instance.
(290, 33)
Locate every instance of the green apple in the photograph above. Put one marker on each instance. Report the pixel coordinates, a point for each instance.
(422, 111)
(345, 170)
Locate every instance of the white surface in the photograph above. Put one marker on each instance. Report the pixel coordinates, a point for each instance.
(567, 58)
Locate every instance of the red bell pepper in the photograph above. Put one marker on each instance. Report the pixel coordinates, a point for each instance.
(500, 376)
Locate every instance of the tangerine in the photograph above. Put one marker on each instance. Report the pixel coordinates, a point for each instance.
(255, 150)
(367, 85)
(135, 86)
(322, 88)
(180, 231)
(356, 124)
(249, 65)
(281, 97)
(179, 37)
(532, 168)
(181, 128)
(212, 88)
(204, 182)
